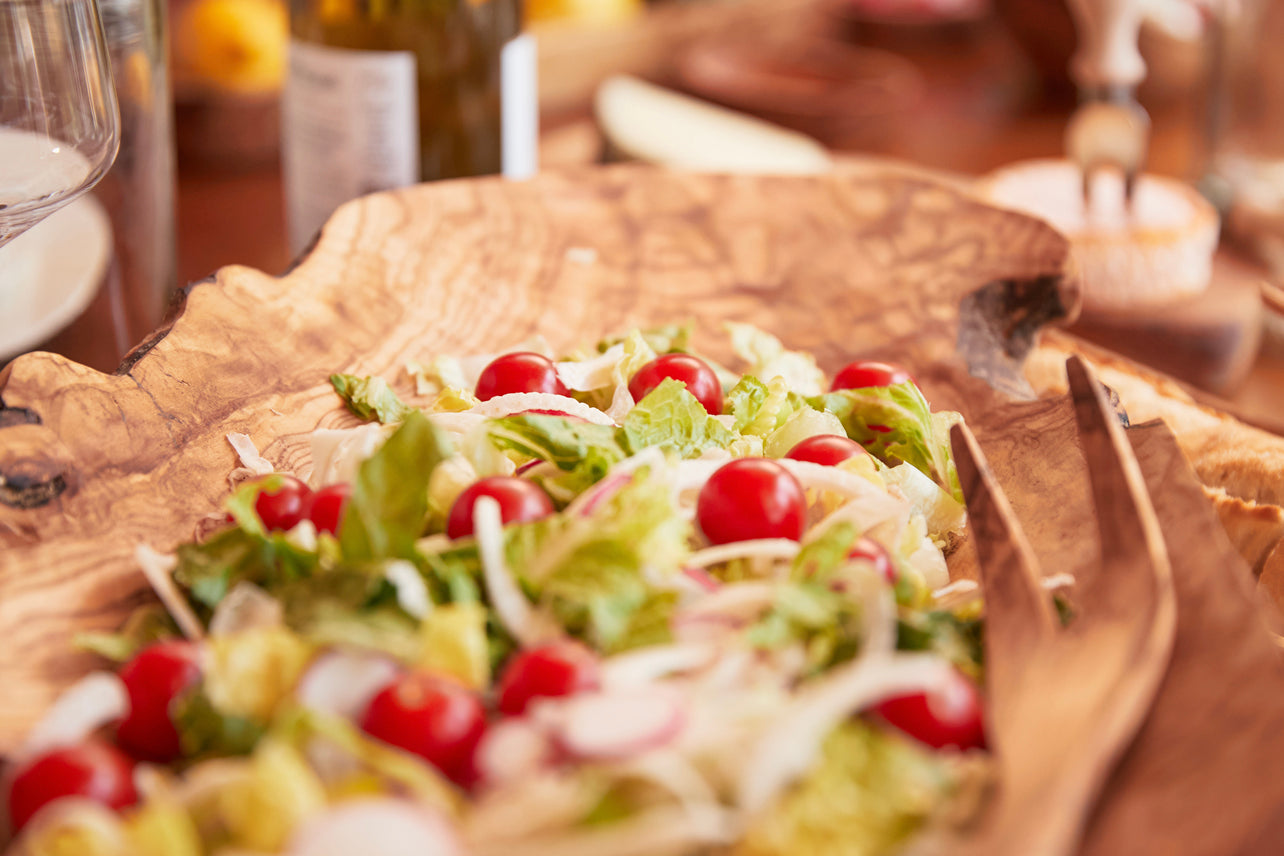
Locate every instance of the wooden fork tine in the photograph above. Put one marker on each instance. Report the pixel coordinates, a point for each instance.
(1017, 607)
(1134, 559)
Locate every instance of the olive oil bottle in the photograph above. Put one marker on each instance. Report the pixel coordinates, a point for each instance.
(386, 93)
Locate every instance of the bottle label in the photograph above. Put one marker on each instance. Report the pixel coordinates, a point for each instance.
(350, 126)
(520, 110)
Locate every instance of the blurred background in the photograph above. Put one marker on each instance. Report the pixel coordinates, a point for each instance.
(956, 85)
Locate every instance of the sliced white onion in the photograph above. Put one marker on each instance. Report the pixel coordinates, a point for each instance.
(84, 707)
(412, 591)
(389, 827)
(788, 747)
(614, 725)
(647, 665)
(249, 455)
(593, 373)
(519, 402)
(245, 607)
(342, 682)
(337, 453)
(303, 535)
(834, 479)
(513, 749)
(621, 403)
(734, 603)
(672, 771)
(760, 548)
(157, 568)
(527, 625)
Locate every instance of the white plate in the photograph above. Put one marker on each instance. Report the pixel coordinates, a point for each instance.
(49, 274)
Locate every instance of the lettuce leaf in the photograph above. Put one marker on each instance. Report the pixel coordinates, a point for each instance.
(370, 397)
(826, 623)
(957, 637)
(389, 504)
(664, 339)
(583, 451)
(671, 418)
(896, 425)
(761, 408)
(206, 732)
(767, 358)
(208, 571)
(870, 791)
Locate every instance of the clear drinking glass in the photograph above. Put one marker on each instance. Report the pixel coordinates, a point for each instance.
(59, 124)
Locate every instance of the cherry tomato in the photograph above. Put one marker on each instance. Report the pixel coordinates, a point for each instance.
(520, 501)
(869, 550)
(751, 498)
(326, 511)
(827, 449)
(433, 717)
(557, 669)
(283, 508)
(94, 770)
(951, 717)
(523, 371)
(153, 679)
(692, 371)
(865, 373)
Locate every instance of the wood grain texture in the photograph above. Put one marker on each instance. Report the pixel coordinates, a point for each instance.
(844, 266)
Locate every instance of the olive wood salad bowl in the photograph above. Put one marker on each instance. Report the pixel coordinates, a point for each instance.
(1155, 724)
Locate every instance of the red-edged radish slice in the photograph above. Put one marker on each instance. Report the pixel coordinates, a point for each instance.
(513, 749)
(615, 725)
(389, 827)
(343, 682)
(523, 402)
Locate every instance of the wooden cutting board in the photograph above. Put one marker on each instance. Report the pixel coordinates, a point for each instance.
(857, 264)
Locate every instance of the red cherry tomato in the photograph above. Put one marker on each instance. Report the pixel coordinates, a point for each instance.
(433, 717)
(328, 503)
(871, 551)
(692, 371)
(523, 371)
(153, 679)
(951, 717)
(93, 770)
(557, 669)
(826, 449)
(520, 501)
(751, 498)
(865, 373)
(283, 508)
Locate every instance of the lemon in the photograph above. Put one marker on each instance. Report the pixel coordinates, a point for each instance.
(235, 45)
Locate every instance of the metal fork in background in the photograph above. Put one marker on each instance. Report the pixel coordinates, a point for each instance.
(1109, 130)
(1064, 704)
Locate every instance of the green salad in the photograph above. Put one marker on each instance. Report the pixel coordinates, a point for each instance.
(619, 601)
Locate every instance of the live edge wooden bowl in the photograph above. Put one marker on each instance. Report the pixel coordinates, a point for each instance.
(867, 263)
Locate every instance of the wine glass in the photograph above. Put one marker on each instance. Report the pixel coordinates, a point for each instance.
(59, 123)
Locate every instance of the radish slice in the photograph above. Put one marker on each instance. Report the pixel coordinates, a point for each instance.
(608, 487)
(246, 607)
(702, 578)
(343, 682)
(518, 402)
(386, 826)
(644, 666)
(615, 725)
(513, 749)
(86, 706)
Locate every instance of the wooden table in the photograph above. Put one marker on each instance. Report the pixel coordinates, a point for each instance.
(983, 109)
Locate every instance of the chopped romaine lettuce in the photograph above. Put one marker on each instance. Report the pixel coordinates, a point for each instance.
(870, 791)
(454, 643)
(762, 408)
(671, 418)
(370, 397)
(389, 504)
(767, 358)
(895, 424)
(584, 452)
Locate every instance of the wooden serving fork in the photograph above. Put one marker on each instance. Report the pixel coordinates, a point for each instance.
(1066, 702)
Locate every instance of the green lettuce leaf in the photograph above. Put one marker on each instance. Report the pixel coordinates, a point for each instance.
(209, 570)
(826, 623)
(206, 732)
(145, 625)
(664, 339)
(896, 425)
(767, 358)
(584, 452)
(389, 504)
(671, 418)
(821, 556)
(869, 792)
(958, 638)
(370, 398)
